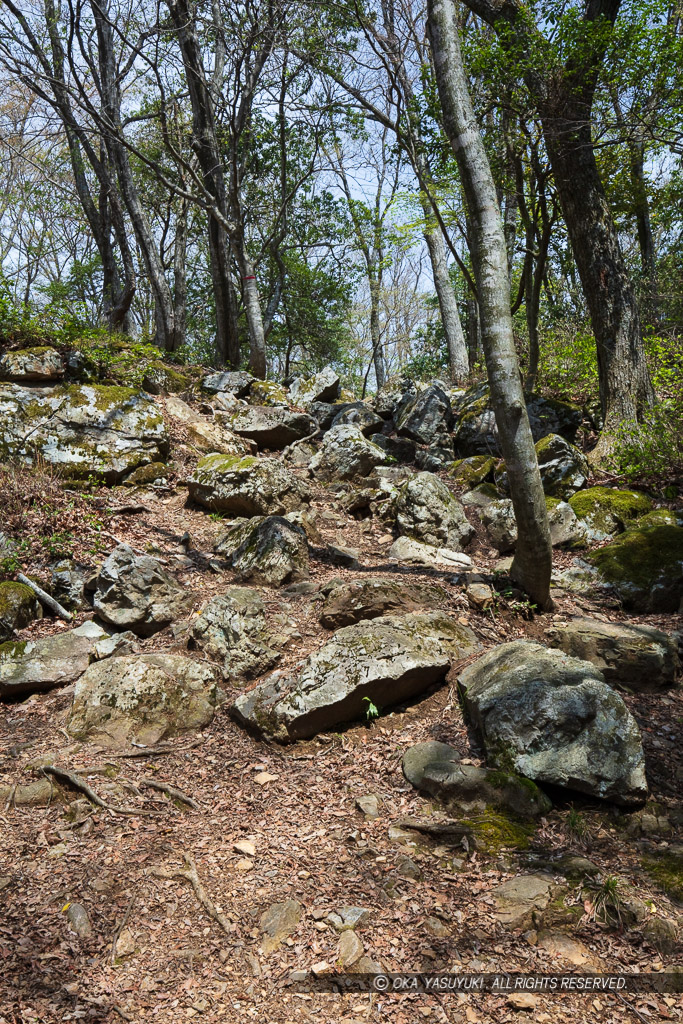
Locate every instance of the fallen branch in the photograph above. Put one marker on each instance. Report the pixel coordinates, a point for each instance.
(45, 599)
(132, 509)
(170, 791)
(447, 831)
(157, 751)
(189, 873)
(78, 783)
(119, 928)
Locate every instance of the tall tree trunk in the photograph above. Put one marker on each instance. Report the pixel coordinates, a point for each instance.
(458, 363)
(533, 557)
(179, 267)
(473, 331)
(375, 332)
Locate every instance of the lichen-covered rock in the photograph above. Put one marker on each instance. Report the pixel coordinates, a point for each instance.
(425, 417)
(268, 393)
(323, 387)
(519, 900)
(406, 549)
(271, 427)
(471, 471)
(501, 525)
(427, 511)
(563, 468)
(208, 435)
(436, 457)
(266, 549)
(82, 429)
(639, 657)
(135, 592)
(399, 449)
(232, 382)
(605, 511)
(476, 432)
(361, 415)
(435, 768)
(566, 530)
(348, 602)
(143, 699)
(36, 665)
(232, 629)
(32, 364)
(391, 394)
(68, 585)
(385, 660)
(18, 607)
(246, 486)
(346, 453)
(160, 379)
(645, 567)
(553, 719)
(146, 476)
(481, 495)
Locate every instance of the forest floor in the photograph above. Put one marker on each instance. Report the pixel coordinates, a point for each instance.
(296, 805)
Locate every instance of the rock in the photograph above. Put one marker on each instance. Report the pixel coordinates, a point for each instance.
(480, 496)
(499, 519)
(160, 379)
(361, 415)
(68, 586)
(234, 382)
(387, 660)
(645, 567)
(407, 868)
(32, 364)
(437, 928)
(115, 646)
(563, 468)
(266, 549)
(36, 665)
(323, 387)
(605, 511)
(472, 471)
(82, 429)
(147, 476)
(369, 806)
(208, 435)
(144, 699)
(348, 602)
(519, 898)
(350, 950)
(426, 511)
(135, 592)
(426, 416)
(232, 628)
(401, 449)
(18, 607)
(78, 919)
(568, 948)
(523, 1000)
(580, 578)
(553, 719)
(346, 453)
(246, 486)
(434, 458)
(476, 432)
(479, 596)
(346, 558)
(662, 933)
(638, 656)
(278, 922)
(566, 530)
(435, 768)
(273, 428)
(268, 392)
(405, 549)
(348, 918)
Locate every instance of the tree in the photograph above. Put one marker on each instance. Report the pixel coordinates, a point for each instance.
(533, 556)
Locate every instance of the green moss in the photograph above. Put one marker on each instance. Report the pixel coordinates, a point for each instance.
(146, 474)
(219, 463)
(496, 831)
(544, 443)
(607, 505)
(12, 649)
(640, 557)
(658, 517)
(667, 871)
(471, 471)
(551, 503)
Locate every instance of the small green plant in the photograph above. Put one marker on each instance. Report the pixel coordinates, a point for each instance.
(604, 900)
(371, 711)
(577, 824)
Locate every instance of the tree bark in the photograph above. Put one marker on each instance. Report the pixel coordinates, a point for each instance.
(533, 556)
(375, 331)
(458, 363)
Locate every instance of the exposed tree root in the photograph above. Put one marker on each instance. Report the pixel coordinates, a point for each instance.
(78, 783)
(189, 873)
(171, 791)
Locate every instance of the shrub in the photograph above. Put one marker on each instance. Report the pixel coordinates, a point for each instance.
(652, 451)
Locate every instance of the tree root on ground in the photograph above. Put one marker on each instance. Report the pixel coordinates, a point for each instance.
(78, 783)
(189, 873)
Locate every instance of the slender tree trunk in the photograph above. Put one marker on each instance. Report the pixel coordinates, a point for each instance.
(252, 307)
(375, 331)
(473, 331)
(533, 557)
(179, 267)
(458, 363)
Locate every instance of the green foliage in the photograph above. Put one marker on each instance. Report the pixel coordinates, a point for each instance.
(652, 451)
(371, 711)
(568, 366)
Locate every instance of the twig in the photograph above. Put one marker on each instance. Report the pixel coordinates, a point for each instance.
(189, 873)
(121, 1013)
(170, 791)
(632, 1007)
(53, 605)
(119, 928)
(78, 783)
(155, 751)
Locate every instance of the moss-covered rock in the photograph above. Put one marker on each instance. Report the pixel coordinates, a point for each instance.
(246, 486)
(645, 567)
(161, 379)
(472, 471)
(268, 393)
(145, 475)
(563, 468)
(18, 607)
(476, 432)
(38, 364)
(325, 386)
(606, 511)
(658, 517)
(666, 867)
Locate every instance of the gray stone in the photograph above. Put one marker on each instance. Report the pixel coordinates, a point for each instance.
(266, 549)
(232, 628)
(427, 511)
(144, 699)
(348, 602)
(405, 549)
(350, 949)
(481, 495)
(385, 660)
(278, 922)
(426, 416)
(323, 387)
(553, 719)
(361, 415)
(349, 918)
(82, 429)
(519, 899)
(369, 806)
(68, 586)
(402, 449)
(271, 427)
(639, 656)
(434, 458)
(116, 646)
(32, 364)
(135, 592)
(476, 432)
(499, 519)
(246, 486)
(208, 435)
(234, 382)
(563, 468)
(78, 919)
(346, 453)
(18, 607)
(37, 665)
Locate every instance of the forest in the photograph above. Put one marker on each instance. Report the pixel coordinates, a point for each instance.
(341, 470)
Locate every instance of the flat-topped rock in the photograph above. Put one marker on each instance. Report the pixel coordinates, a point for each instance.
(349, 601)
(36, 665)
(246, 486)
(39, 364)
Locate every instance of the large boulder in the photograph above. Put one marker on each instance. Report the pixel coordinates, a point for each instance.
(266, 549)
(563, 468)
(640, 657)
(605, 511)
(232, 628)
(82, 429)
(472, 471)
(40, 364)
(501, 525)
(18, 606)
(246, 486)
(553, 719)
(425, 417)
(349, 601)
(232, 382)
(271, 427)
(135, 592)
(268, 393)
(142, 699)
(383, 661)
(645, 567)
(428, 512)
(361, 415)
(209, 435)
(346, 453)
(414, 552)
(325, 386)
(476, 432)
(36, 665)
